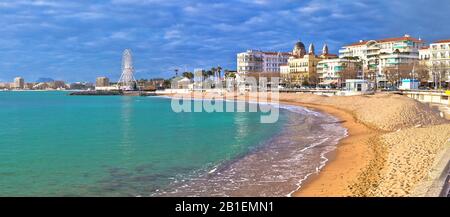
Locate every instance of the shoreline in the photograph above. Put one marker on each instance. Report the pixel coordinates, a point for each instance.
(286, 105)
(312, 184)
(391, 145)
(332, 180)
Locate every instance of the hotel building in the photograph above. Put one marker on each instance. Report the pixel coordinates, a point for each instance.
(377, 55)
(102, 82)
(436, 59)
(253, 61)
(329, 70)
(440, 59)
(19, 83)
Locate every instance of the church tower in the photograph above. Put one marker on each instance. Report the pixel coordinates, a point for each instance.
(325, 50)
(311, 49)
(299, 49)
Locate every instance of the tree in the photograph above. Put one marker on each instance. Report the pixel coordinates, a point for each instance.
(305, 82)
(166, 84)
(230, 74)
(189, 75)
(438, 72)
(395, 73)
(214, 71)
(219, 70)
(209, 73)
(422, 72)
(349, 70)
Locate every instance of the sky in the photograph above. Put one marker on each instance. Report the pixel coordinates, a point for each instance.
(81, 40)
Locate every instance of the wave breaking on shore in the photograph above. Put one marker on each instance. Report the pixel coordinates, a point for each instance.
(276, 168)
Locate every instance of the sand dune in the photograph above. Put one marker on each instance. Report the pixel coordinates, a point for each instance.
(409, 140)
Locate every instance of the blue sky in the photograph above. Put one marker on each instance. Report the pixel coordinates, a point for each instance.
(80, 40)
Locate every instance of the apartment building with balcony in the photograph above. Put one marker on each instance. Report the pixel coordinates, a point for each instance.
(254, 61)
(436, 58)
(377, 55)
(329, 70)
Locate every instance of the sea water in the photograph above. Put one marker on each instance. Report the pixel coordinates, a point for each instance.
(53, 144)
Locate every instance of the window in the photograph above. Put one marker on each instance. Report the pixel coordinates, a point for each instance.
(358, 87)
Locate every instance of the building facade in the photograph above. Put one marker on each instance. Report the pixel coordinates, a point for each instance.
(436, 60)
(19, 83)
(253, 61)
(102, 82)
(440, 60)
(379, 55)
(329, 70)
(302, 65)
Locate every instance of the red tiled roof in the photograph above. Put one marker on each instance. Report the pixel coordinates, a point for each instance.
(357, 44)
(443, 41)
(424, 48)
(330, 55)
(404, 38)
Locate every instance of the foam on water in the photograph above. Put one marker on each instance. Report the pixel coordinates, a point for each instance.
(277, 168)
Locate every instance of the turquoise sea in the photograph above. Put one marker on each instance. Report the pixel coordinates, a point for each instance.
(53, 144)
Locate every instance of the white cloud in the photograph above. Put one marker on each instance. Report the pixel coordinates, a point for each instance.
(121, 35)
(172, 34)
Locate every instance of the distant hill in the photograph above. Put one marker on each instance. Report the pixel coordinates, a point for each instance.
(40, 80)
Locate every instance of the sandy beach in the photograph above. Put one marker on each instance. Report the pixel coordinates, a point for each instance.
(393, 148)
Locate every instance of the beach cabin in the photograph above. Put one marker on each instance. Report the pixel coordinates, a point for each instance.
(409, 84)
(355, 87)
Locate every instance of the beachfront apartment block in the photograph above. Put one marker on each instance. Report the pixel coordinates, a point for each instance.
(379, 55)
(102, 82)
(436, 58)
(329, 70)
(19, 83)
(254, 61)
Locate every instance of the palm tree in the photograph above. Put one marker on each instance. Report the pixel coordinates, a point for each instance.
(189, 75)
(219, 70)
(209, 73)
(214, 71)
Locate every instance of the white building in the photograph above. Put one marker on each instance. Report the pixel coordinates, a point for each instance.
(19, 83)
(409, 84)
(356, 87)
(436, 59)
(424, 53)
(440, 59)
(377, 55)
(328, 70)
(253, 61)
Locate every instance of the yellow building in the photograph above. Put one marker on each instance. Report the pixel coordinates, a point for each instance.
(303, 66)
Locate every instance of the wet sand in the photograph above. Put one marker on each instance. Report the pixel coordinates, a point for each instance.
(392, 148)
(352, 155)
